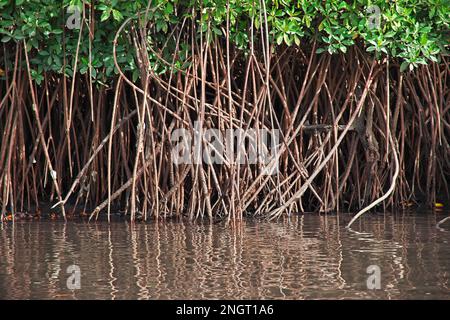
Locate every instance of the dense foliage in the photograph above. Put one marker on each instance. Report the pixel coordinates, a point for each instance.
(416, 31)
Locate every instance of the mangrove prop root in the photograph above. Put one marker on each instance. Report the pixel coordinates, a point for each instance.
(354, 132)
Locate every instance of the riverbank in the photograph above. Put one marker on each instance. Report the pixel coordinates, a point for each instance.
(227, 112)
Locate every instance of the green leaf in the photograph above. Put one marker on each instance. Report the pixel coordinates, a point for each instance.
(320, 50)
(135, 75)
(404, 66)
(343, 5)
(169, 8)
(117, 15)
(105, 15)
(287, 39)
(102, 7)
(280, 39)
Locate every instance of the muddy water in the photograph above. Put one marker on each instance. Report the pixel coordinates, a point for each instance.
(304, 257)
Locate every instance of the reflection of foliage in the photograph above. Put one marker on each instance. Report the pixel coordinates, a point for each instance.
(414, 30)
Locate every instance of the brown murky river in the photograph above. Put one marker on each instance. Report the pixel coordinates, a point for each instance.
(304, 257)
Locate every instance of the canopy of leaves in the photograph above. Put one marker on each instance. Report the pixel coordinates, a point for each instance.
(416, 31)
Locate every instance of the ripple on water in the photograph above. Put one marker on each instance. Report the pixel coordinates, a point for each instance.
(306, 257)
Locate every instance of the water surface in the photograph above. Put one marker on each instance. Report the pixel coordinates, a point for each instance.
(303, 257)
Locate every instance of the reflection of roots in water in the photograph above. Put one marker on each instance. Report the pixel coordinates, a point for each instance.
(307, 257)
(438, 225)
